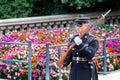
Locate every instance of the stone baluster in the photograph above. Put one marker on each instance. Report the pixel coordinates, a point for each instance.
(3, 29)
(48, 22)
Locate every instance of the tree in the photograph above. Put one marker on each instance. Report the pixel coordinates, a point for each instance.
(47, 7)
(30, 8)
(81, 3)
(15, 8)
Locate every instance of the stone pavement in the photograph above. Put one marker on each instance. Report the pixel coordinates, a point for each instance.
(115, 75)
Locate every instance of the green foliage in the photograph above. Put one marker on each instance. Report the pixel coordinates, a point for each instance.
(81, 3)
(108, 28)
(117, 66)
(14, 9)
(47, 7)
(30, 8)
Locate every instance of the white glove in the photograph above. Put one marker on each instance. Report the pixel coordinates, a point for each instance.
(55, 64)
(77, 40)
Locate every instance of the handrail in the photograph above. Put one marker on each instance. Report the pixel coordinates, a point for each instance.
(31, 20)
(15, 60)
(99, 57)
(42, 19)
(16, 43)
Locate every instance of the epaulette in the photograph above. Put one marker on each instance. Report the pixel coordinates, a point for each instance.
(94, 37)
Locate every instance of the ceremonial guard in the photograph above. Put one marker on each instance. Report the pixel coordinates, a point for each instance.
(82, 66)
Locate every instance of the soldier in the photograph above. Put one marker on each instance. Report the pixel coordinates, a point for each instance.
(82, 66)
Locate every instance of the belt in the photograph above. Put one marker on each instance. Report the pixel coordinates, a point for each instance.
(79, 59)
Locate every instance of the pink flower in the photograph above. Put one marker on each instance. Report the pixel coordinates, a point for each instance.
(34, 75)
(4, 70)
(43, 71)
(100, 62)
(9, 76)
(0, 68)
(39, 78)
(52, 71)
(15, 78)
(37, 70)
(42, 64)
(17, 74)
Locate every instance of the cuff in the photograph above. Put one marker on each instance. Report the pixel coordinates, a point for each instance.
(55, 64)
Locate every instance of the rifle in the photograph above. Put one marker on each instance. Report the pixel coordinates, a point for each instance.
(103, 16)
(60, 62)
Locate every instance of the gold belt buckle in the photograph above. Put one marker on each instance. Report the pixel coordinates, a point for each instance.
(77, 59)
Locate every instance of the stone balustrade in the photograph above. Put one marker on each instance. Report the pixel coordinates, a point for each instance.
(7, 25)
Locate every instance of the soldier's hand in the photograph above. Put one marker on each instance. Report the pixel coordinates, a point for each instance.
(100, 19)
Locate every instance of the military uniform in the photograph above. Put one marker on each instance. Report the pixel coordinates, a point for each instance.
(80, 58)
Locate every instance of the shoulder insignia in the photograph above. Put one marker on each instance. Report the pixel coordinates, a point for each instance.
(95, 38)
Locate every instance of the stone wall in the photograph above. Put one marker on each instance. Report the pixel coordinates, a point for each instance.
(8, 25)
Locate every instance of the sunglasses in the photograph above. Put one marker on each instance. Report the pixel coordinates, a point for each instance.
(79, 24)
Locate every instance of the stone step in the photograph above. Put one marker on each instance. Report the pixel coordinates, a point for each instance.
(114, 75)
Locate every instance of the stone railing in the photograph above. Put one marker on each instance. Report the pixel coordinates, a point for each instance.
(7, 25)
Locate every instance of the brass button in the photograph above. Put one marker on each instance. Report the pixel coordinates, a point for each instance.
(73, 49)
(78, 59)
(77, 53)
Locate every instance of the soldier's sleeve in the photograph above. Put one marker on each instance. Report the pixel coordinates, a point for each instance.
(95, 23)
(90, 49)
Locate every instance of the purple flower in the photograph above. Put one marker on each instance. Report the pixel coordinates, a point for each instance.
(56, 31)
(41, 54)
(37, 70)
(34, 75)
(42, 64)
(0, 68)
(9, 56)
(0, 45)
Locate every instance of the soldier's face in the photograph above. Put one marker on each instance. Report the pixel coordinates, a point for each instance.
(80, 29)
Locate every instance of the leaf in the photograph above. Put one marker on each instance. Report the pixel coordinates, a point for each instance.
(64, 1)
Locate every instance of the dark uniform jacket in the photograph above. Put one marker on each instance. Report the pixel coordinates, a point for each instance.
(80, 70)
